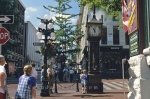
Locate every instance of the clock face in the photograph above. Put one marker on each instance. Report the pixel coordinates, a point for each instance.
(94, 30)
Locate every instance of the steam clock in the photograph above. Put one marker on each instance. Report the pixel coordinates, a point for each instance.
(94, 34)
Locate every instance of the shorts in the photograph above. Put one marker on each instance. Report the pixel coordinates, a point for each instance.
(84, 83)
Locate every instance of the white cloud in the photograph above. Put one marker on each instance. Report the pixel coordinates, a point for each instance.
(31, 9)
(28, 16)
(74, 20)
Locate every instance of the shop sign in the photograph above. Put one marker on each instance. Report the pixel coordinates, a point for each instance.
(134, 46)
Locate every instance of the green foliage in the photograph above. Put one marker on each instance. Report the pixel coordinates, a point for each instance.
(67, 33)
(110, 6)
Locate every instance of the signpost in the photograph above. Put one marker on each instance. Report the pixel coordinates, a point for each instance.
(38, 43)
(6, 19)
(4, 35)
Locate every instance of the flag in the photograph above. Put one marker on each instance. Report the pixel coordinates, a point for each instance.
(125, 15)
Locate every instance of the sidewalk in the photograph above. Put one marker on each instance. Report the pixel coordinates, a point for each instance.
(68, 91)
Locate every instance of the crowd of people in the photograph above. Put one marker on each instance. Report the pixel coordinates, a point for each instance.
(27, 84)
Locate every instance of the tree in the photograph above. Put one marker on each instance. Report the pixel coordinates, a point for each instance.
(67, 33)
(110, 6)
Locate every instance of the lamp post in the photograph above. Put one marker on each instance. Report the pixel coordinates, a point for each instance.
(45, 30)
(55, 82)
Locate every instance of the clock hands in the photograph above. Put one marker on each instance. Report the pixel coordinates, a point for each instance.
(94, 30)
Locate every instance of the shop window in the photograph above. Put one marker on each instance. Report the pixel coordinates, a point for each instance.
(115, 35)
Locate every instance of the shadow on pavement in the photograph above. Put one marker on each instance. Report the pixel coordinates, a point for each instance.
(114, 92)
(86, 96)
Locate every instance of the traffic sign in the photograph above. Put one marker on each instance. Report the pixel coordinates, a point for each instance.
(6, 19)
(4, 35)
(38, 43)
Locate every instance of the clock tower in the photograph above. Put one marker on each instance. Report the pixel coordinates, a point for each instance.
(94, 34)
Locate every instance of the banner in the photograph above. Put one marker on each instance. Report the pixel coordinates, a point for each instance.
(129, 15)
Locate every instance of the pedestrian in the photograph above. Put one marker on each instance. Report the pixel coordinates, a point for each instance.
(5, 71)
(65, 74)
(71, 72)
(50, 76)
(34, 72)
(27, 85)
(83, 78)
(3, 77)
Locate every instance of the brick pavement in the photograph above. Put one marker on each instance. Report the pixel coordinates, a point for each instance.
(68, 90)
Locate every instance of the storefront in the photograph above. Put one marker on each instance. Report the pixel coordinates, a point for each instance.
(111, 61)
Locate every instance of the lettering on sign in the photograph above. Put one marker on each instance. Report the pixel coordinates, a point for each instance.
(4, 35)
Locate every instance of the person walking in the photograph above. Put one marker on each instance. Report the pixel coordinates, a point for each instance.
(26, 88)
(83, 78)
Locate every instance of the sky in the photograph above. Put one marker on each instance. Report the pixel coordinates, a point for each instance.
(34, 9)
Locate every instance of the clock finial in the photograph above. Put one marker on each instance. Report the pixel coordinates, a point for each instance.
(94, 16)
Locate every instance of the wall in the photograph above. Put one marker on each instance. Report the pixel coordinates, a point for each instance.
(30, 39)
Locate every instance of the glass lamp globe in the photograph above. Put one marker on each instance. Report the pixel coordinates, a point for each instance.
(53, 36)
(43, 37)
(42, 26)
(50, 26)
(39, 35)
(42, 41)
(47, 17)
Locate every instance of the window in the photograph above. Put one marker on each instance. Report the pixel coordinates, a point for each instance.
(104, 36)
(127, 38)
(115, 35)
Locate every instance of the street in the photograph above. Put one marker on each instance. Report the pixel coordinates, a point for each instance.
(113, 89)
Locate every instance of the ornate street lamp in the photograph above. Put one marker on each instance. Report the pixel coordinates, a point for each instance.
(45, 33)
(94, 34)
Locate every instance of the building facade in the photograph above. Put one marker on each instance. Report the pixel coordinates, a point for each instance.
(14, 48)
(31, 55)
(113, 44)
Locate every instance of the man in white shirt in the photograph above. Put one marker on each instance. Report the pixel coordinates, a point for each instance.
(2, 77)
